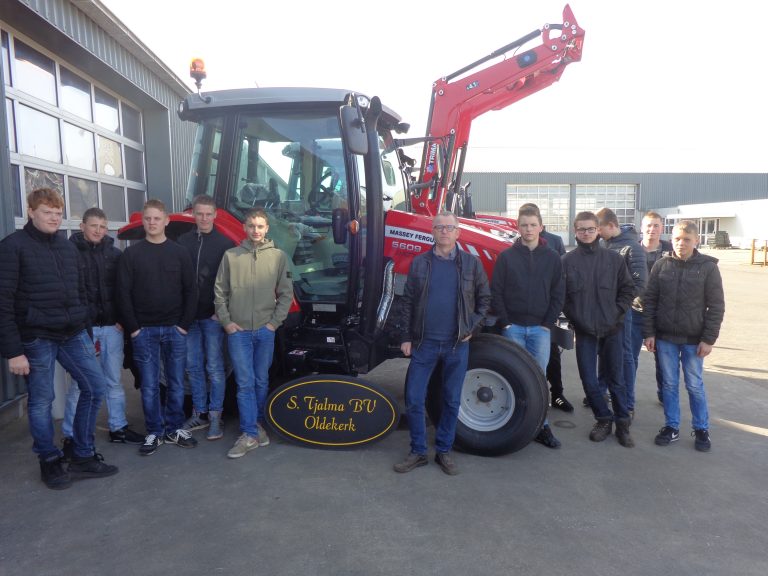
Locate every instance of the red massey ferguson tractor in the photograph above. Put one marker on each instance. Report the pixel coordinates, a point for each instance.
(351, 209)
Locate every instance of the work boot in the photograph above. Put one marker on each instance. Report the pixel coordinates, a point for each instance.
(67, 449)
(411, 462)
(53, 474)
(622, 433)
(601, 430)
(445, 461)
(216, 426)
(90, 467)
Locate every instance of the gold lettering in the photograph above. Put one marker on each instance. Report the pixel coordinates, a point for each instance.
(360, 404)
(325, 423)
(292, 405)
(314, 405)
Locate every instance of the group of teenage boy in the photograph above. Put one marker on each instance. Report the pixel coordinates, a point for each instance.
(78, 301)
(616, 291)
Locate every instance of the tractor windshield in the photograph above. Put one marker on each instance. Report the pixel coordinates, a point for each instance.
(291, 165)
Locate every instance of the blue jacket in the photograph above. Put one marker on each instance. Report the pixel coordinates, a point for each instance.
(627, 244)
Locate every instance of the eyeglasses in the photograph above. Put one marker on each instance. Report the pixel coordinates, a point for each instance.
(590, 230)
(444, 227)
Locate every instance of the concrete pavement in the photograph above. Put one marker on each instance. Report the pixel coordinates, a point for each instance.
(586, 509)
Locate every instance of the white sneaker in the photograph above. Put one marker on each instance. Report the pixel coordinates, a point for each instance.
(243, 445)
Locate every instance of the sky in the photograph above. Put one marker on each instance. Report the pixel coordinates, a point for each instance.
(663, 85)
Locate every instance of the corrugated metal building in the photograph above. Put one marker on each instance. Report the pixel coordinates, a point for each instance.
(89, 110)
(560, 195)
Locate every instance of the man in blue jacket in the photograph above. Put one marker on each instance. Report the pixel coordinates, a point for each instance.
(527, 292)
(624, 240)
(445, 301)
(43, 319)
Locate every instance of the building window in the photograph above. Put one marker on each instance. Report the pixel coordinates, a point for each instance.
(110, 161)
(38, 134)
(78, 147)
(16, 185)
(105, 112)
(83, 194)
(34, 179)
(10, 120)
(75, 94)
(57, 115)
(113, 202)
(131, 123)
(618, 197)
(35, 73)
(6, 59)
(553, 201)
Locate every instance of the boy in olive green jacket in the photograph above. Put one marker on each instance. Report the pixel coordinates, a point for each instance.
(253, 293)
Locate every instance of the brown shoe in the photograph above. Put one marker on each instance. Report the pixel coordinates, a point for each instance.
(411, 462)
(601, 430)
(445, 461)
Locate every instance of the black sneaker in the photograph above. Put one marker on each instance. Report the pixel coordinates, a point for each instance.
(53, 474)
(68, 448)
(181, 438)
(667, 435)
(702, 443)
(411, 462)
(90, 467)
(151, 444)
(445, 461)
(546, 437)
(561, 403)
(126, 436)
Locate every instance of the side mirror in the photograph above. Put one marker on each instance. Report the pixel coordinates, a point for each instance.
(353, 130)
(339, 224)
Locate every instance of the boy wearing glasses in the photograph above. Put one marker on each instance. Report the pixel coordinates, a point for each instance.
(599, 291)
(445, 300)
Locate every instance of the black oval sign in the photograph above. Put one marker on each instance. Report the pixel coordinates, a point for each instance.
(331, 411)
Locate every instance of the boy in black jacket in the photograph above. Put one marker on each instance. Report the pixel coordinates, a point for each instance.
(527, 292)
(99, 257)
(684, 307)
(205, 341)
(598, 293)
(43, 319)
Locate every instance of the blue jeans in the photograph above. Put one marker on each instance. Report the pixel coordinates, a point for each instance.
(77, 355)
(535, 340)
(110, 341)
(205, 357)
(671, 358)
(151, 346)
(637, 344)
(604, 356)
(251, 353)
(424, 358)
